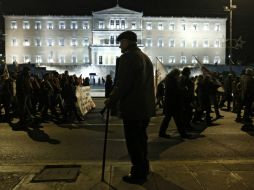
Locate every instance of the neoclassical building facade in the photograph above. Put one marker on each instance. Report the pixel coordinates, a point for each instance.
(91, 40)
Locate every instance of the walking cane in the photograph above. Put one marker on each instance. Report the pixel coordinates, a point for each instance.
(105, 146)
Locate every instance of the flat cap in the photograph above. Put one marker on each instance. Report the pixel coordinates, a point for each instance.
(127, 35)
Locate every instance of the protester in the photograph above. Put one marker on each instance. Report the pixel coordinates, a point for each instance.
(134, 89)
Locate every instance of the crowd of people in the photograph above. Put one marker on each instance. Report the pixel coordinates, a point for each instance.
(192, 99)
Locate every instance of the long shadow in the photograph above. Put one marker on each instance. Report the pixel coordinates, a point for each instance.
(33, 129)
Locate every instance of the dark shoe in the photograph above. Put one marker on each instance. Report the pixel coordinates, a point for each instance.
(164, 136)
(134, 180)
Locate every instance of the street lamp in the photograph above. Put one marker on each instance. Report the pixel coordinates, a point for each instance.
(230, 10)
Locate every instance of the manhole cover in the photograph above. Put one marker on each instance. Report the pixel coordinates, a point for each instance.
(67, 173)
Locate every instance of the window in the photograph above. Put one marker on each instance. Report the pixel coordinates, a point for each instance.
(50, 59)
(217, 27)
(171, 43)
(160, 26)
(133, 25)
(149, 26)
(61, 42)
(14, 58)
(171, 26)
(38, 59)
(61, 25)
(182, 43)
(27, 59)
(149, 42)
(194, 43)
(26, 42)
(50, 25)
(26, 25)
(74, 25)
(61, 59)
(217, 59)
(112, 40)
(160, 42)
(193, 59)
(74, 42)
(206, 26)
(14, 42)
(217, 44)
(100, 60)
(122, 24)
(14, 25)
(206, 44)
(85, 42)
(74, 59)
(171, 59)
(37, 25)
(101, 25)
(37, 42)
(194, 26)
(183, 26)
(85, 25)
(205, 59)
(86, 59)
(183, 59)
(117, 24)
(112, 24)
(50, 42)
(160, 58)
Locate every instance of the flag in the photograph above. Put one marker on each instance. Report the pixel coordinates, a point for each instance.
(5, 72)
(161, 71)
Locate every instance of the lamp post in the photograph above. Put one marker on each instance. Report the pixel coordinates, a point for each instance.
(230, 10)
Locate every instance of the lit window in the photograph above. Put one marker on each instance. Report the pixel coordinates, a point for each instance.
(149, 26)
(74, 25)
(50, 59)
(183, 59)
(14, 58)
(160, 42)
(122, 24)
(37, 42)
(74, 59)
(172, 26)
(133, 25)
(171, 59)
(217, 44)
(26, 42)
(61, 25)
(171, 43)
(149, 42)
(85, 25)
(183, 26)
(26, 25)
(206, 26)
(117, 24)
(101, 25)
(61, 42)
(37, 25)
(27, 59)
(50, 42)
(217, 27)
(194, 43)
(217, 59)
(14, 42)
(205, 59)
(112, 24)
(193, 59)
(61, 59)
(74, 42)
(183, 43)
(206, 43)
(194, 26)
(38, 59)
(85, 42)
(14, 25)
(50, 25)
(160, 26)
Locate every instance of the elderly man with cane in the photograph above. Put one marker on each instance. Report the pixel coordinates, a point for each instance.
(134, 89)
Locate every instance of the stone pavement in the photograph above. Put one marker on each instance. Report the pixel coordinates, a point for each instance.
(165, 175)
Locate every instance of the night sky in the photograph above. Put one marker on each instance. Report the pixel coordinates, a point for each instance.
(243, 16)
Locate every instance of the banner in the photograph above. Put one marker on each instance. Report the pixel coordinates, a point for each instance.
(84, 99)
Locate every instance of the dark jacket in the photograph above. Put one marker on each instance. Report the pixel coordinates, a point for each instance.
(134, 87)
